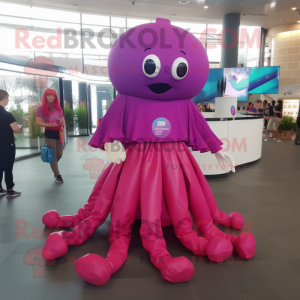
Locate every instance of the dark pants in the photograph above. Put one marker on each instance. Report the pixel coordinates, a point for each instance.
(7, 159)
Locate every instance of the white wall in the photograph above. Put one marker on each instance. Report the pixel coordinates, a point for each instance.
(289, 91)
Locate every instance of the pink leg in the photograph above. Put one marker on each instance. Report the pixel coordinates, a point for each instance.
(52, 218)
(174, 187)
(94, 268)
(244, 244)
(178, 269)
(234, 219)
(57, 243)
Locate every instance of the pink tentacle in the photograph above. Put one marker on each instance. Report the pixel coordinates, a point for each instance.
(234, 219)
(197, 199)
(57, 243)
(94, 268)
(86, 211)
(244, 244)
(53, 219)
(124, 209)
(151, 208)
(177, 202)
(177, 269)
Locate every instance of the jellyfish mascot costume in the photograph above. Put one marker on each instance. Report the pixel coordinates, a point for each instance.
(151, 174)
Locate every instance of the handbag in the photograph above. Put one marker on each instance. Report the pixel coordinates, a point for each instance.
(47, 154)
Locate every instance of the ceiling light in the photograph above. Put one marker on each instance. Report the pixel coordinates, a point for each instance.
(273, 4)
(183, 1)
(298, 22)
(205, 7)
(294, 8)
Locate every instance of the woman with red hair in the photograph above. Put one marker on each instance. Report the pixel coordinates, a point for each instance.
(50, 116)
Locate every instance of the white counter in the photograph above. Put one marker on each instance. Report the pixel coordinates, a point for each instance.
(242, 138)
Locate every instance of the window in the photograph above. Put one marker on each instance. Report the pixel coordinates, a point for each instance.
(11, 45)
(25, 98)
(15, 10)
(118, 22)
(136, 22)
(55, 25)
(95, 19)
(55, 15)
(214, 50)
(191, 27)
(15, 21)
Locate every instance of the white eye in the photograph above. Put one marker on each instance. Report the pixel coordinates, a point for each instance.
(151, 66)
(180, 68)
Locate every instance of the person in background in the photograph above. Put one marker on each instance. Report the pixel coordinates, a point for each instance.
(50, 116)
(8, 126)
(249, 106)
(256, 107)
(264, 106)
(207, 108)
(278, 118)
(199, 106)
(269, 117)
(264, 109)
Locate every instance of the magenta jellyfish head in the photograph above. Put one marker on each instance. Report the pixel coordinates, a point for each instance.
(158, 61)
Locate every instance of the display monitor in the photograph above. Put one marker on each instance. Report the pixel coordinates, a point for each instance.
(213, 88)
(237, 82)
(264, 80)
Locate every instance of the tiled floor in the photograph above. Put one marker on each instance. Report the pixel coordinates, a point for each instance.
(266, 193)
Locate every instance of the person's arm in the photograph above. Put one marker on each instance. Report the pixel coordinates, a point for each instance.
(39, 122)
(15, 127)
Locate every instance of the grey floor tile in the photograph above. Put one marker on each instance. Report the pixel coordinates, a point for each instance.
(266, 195)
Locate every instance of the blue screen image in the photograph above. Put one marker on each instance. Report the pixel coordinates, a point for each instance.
(264, 80)
(214, 87)
(239, 82)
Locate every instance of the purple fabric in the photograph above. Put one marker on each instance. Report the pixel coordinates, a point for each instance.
(157, 108)
(130, 119)
(253, 109)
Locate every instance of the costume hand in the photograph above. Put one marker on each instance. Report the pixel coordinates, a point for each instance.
(225, 161)
(115, 152)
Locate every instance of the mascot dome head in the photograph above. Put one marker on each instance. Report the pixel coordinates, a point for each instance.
(158, 61)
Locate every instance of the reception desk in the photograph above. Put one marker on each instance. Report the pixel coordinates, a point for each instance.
(241, 137)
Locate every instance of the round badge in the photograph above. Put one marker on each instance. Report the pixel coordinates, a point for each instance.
(232, 110)
(161, 127)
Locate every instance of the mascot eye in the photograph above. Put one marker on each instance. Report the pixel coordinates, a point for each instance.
(179, 68)
(151, 66)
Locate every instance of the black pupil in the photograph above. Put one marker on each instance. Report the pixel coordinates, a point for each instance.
(181, 69)
(149, 66)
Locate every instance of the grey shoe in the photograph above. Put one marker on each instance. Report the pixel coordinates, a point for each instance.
(3, 191)
(59, 179)
(12, 193)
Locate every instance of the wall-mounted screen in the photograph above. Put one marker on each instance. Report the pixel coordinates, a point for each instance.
(213, 88)
(264, 80)
(239, 82)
